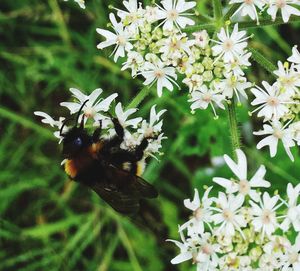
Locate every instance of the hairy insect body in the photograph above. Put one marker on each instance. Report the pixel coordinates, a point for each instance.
(102, 165)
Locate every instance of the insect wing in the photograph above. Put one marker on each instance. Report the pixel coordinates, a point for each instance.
(122, 190)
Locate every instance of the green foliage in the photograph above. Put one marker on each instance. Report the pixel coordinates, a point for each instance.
(50, 223)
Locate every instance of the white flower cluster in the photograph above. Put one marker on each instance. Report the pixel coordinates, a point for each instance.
(154, 45)
(95, 110)
(242, 228)
(81, 3)
(253, 8)
(279, 105)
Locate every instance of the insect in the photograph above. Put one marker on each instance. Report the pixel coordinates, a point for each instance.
(101, 164)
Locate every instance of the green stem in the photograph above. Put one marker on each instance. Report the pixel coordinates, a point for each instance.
(217, 4)
(208, 27)
(260, 59)
(231, 11)
(139, 97)
(233, 125)
(266, 22)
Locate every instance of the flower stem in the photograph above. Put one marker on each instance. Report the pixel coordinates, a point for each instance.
(233, 125)
(260, 59)
(217, 9)
(139, 97)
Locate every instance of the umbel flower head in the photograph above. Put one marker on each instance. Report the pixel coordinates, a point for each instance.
(244, 227)
(279, 106)
(97, 107)
(151, 41)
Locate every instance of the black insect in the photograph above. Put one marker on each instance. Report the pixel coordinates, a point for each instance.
(105, 167)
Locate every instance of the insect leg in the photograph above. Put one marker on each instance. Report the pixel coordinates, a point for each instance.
(97, 132)
(118, 127)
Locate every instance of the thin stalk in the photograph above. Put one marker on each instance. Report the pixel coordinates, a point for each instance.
(233, 125)
(217, 9)
(230, 12)
(140, 97)
(260, 59)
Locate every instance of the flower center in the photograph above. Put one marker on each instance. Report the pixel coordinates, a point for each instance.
(267, 217)
(159, 73)
(228, 45)
(89, 112)
(198, 213)
(227, 214)
(244, 187)
(121, 40)
(281, 3)
(248, 2)
(278, 133)
(173, 14)
(207, 249)
(207, 97)
(273, 101)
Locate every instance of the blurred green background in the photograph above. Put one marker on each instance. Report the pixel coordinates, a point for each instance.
(50, 223)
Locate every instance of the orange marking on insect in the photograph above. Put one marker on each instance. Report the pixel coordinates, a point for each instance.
(70, 168)
(94, 149)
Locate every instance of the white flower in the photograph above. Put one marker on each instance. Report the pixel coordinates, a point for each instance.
(293, 213)
(265, 220)
(236, 66)
(185, 250)
(201, 213)
(120, 38)
(93, 106)
(229, 46)
(271, 101)
(295, 131)
(154, 145)
(154, 125)
(134, 61)
(295, 58)
(228, 214)
(194, 82)
(286, 9)
(234, 85)
(157, 72)
(174, 45)
(201, 38)
(173, 13)
(53, 123)
(207, 258)
(248, 7)
(276, 132)
(123, 116)
(292, 257)
(133, 15)
(288, 78)
(243, 186)
(203, 97)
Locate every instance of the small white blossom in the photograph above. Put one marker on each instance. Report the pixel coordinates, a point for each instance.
(265, 220)
(276, 132)
(293, 213)
(162, 75)
(228, 214)
(243, 186)
(286, 8)
(288, 78)
(173, 13)
(203, 97)
(123, 116)
(248, 7)
(120, 38)
(230, 46)
(201, 213)
(93, 106)
(272, 102)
